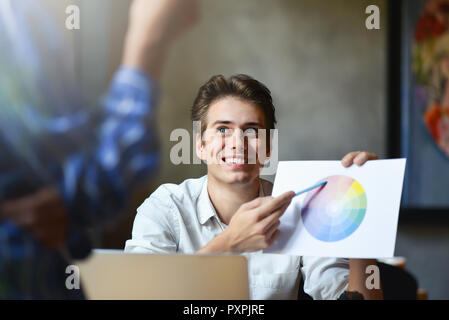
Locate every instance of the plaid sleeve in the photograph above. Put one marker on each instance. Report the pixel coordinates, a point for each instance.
(97, 181)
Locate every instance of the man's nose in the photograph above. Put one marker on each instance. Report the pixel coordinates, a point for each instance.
(238, 140)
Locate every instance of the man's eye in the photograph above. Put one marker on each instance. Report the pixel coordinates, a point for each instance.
(223, 130)
(251, 131)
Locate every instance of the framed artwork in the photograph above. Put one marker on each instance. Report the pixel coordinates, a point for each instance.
(419, 100)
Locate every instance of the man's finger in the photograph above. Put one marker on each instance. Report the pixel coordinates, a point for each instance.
(269, 206)
(30, 202)
(22, 204)
(269, 220)
(348, 159)
(274, 237)
(363, 157)
(257, 202)
(274, 226)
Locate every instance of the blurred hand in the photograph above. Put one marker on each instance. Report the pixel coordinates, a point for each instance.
(162, 20)
(358, 157)
(42, 214)
(153, 27)
(255, 225)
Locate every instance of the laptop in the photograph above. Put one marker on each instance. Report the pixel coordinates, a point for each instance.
(116, 275)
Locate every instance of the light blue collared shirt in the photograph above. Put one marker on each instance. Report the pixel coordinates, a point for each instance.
(181, 219)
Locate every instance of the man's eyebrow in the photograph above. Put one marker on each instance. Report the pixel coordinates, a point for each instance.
(256, 124)
(222, 122)
(247, 124)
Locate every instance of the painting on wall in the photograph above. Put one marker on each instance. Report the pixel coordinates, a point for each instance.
(424, 116)
(430, 68)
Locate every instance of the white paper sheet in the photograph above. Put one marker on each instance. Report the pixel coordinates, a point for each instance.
(354, 215)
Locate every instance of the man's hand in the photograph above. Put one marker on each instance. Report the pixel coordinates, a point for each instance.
(253, 227)
(358, 157)
(357, 275)
(153, 27)
(42, 214)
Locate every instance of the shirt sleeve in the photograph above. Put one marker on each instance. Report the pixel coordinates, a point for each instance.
(120, 150)
(325, 278)
(155, 227)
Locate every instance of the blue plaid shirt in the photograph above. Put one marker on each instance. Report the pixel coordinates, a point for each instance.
(95, 157)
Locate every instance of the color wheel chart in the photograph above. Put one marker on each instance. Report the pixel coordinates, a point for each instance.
(335, 211)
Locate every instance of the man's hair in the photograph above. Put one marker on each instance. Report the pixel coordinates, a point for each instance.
(239, 86)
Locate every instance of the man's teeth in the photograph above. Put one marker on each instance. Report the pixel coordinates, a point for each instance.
(235, 161)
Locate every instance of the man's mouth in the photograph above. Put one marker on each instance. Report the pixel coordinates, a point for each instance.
(234, 160)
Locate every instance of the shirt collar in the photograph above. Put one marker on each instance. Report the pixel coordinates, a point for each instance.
(205, 208)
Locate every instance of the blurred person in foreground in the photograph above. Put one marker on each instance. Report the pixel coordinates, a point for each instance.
(65, 168)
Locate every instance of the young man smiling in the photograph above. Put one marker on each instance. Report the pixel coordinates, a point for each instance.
(231, 210)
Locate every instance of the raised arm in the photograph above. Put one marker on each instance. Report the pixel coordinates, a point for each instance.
(125, 151)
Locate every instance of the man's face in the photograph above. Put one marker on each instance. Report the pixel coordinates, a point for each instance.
(232, 141)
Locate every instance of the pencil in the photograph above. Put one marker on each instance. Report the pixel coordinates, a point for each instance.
(310, 188)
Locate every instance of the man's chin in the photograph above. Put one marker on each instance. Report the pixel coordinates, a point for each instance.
(236, 176)
(239, 180)
(240, 177)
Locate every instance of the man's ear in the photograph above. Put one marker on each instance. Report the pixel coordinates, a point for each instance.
(199, 147)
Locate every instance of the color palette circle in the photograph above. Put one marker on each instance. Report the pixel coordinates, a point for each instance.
(334, 211)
